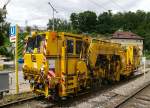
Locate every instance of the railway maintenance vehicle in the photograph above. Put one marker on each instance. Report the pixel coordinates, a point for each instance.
(59, 64)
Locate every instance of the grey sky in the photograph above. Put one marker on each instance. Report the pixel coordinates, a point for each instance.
(37, 12)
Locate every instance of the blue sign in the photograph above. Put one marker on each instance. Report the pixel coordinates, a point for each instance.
(12, 33)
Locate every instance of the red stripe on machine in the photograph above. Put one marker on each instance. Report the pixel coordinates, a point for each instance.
(51, 73)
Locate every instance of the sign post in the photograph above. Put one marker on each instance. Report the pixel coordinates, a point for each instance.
(14, 30)
(13, 33)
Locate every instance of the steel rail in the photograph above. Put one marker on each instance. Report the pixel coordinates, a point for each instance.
(18, 101)
(132, 95)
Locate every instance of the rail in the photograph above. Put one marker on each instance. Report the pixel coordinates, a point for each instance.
(132, 95)
(18, 101)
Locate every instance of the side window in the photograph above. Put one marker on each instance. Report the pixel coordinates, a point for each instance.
(38, 40)
(30, 45)
(78, 46)
(69, 46)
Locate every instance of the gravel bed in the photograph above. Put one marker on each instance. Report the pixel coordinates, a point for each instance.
(15, 97)
(127, 89)
(140, 100)
(110, 98)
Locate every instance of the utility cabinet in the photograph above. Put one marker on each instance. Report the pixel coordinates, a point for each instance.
(4, 83)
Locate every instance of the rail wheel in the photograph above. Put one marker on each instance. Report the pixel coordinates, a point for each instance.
(1, 95)
(55, 94)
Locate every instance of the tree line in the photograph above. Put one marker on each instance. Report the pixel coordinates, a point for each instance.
(4, 34)
(107, 23)
(89, 22)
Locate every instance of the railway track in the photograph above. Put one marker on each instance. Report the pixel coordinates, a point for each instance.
(130, 97)
(88, 95)
(18, 101)
(42, 103)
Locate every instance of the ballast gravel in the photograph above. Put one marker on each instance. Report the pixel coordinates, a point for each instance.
(109, 98)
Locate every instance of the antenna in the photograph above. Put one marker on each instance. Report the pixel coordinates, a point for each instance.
(54, 10)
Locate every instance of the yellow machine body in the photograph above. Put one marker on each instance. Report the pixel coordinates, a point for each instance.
(62, 63)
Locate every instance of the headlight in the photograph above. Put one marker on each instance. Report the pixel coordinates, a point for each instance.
(42, 68)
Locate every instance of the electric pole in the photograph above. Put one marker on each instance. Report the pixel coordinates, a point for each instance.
(54, 10)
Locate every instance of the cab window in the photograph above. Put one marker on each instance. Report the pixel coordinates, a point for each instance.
(34, 42)
(70, 46)
(78, 46)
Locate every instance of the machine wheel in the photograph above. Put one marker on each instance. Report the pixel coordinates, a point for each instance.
(1, 95)
(55, 95)
(99, 82)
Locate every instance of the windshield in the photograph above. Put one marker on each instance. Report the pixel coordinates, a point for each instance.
(34, 42)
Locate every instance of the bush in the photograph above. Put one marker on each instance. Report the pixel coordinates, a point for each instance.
(3, 51)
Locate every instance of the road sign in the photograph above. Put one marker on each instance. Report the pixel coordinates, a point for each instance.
(13, 33)
(13, 36)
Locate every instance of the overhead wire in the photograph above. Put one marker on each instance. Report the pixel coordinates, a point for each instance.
(98, 5)
(118, 5)
(94, 2)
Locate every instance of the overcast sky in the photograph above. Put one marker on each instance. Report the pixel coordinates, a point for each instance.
(37, 12)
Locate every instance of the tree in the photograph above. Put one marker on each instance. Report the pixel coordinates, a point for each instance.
(87, 21)
(105, 23)
(4, 32)
(60, 25)
(74, 20)
(28, 29)
(84, 21)
(4, 28)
